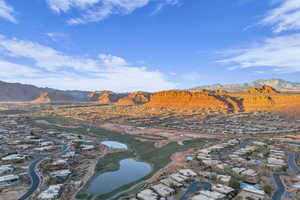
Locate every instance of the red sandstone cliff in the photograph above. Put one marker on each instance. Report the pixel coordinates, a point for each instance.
(184, 100)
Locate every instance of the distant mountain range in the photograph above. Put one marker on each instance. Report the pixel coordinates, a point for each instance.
(278, 84)
(23, 92)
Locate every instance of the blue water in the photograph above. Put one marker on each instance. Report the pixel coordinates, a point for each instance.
(130, 171)
(114, 145)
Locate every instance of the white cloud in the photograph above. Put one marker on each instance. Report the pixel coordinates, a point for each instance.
(53, 68)
(7, 12)
(97, 10)
(281, 53)
(57, 36)
(165, 3)
(44, 56)
(284, 17)
(11, 70)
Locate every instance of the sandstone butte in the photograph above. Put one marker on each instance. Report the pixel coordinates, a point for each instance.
(93, 96)
(48, 97)
(109, 98)
(263, 98)
(134, 99)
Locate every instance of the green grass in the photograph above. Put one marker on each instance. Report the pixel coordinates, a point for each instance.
(142, 151)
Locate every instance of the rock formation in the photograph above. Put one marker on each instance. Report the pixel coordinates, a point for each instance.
(184, 100)
(109, 97)
(48, 97)
(134, 98)
(267, 90)
(43, 98)
(93, 96)
(263, 98)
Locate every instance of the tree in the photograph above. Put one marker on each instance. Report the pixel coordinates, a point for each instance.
(268, 189)
(234, 183)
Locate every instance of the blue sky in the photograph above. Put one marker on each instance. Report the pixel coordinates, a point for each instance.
(129, 45)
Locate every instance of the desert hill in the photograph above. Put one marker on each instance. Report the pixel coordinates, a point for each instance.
(277, 84)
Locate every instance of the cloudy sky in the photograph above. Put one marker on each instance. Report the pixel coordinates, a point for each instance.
(151, 45)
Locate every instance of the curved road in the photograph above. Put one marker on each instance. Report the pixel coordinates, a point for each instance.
(292, 162)
(35, 177)
(280, 191)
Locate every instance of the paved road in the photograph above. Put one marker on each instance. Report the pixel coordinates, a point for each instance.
(35, 177)
(292, 162)
(280, 189)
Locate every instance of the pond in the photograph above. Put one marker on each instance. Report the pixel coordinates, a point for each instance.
(114, 145)
(130, 171)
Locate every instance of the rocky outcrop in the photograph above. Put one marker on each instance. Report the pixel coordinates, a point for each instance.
(48, 97)
(265, 90)
(184, 100)
(263, 98)
(43, 98)
(134, 99)
(109, 98)
(93, 96)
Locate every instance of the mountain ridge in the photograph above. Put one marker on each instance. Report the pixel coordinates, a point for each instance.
(26, 92)
(278, 84)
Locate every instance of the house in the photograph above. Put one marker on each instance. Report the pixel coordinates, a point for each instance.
(147, 195)
(222, 189)
(187, 172)
(251, 192)
(224, 179)
(178, 177)
(9, 180)
(163, 190)
(13, 157)
(209, 195)
(45, 148)
(70, 154)
(86, 147)
(6, 169)
(171, 183)
(59, 162)
(61, 174)
(47, 143)
(52, 193)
